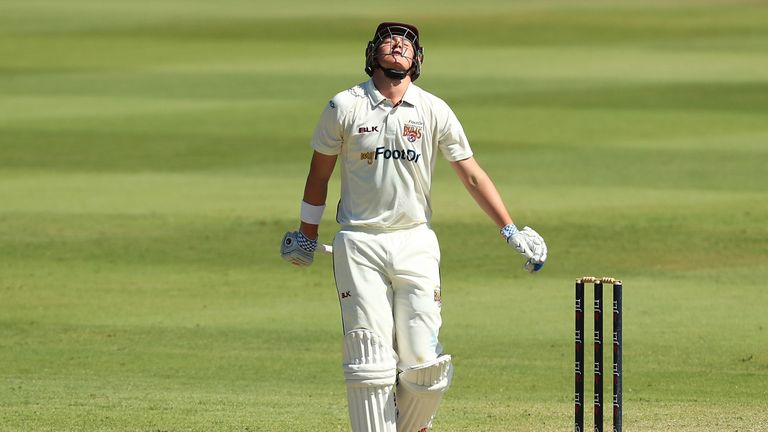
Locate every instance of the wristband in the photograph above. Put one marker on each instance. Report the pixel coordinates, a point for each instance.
(509, 230)
(311, 214)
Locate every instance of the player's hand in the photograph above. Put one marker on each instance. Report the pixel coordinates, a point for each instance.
(529, 244)
(298, 249)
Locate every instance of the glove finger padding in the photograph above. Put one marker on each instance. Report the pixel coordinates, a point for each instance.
(529, 244)
(538, 247)
(521, 244)
(295, 249)
(536, 244)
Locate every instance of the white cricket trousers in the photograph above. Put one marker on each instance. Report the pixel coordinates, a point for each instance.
(389, 283)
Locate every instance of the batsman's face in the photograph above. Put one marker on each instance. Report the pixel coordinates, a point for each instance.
(395, 52)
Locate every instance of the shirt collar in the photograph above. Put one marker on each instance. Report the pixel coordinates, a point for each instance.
(411, 96)
(373, 93)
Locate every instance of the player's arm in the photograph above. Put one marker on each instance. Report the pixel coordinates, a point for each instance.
(526, 241)
(316, 188)
(482, 190)
(298, 247)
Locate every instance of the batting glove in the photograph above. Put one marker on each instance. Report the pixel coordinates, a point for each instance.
(298, 249)
(529, 244)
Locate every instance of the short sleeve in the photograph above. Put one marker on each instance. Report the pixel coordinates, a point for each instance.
(452, 140)
(328, 136)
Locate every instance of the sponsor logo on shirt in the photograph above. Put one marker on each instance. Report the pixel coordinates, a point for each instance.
(367, 156)
(405, 155)
(367, 129)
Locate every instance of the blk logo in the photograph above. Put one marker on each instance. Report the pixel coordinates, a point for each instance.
(368, 129)
(346, 294)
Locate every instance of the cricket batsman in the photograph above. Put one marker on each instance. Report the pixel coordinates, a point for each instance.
(385, 134)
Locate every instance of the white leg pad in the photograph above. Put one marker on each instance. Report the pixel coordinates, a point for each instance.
(419, 391)
(370, 370)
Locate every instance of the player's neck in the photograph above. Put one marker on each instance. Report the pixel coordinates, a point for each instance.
(392, 89)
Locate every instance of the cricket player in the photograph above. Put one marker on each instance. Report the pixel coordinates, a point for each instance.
(385, 134)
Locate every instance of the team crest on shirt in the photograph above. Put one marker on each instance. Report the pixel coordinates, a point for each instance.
(412, 130)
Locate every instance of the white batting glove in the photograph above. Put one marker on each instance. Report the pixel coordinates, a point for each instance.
(298, 249)
(529, 244)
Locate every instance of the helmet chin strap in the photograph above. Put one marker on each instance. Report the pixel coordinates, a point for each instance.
(397, 74)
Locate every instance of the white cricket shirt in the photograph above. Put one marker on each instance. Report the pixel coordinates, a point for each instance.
(387, 154)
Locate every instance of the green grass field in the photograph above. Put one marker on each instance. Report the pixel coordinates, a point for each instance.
(152, 154)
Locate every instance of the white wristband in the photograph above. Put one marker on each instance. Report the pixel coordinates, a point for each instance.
(311, 214)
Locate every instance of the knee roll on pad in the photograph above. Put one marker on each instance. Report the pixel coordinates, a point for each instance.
(367, 360)
(370, 370)
(419, 391)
